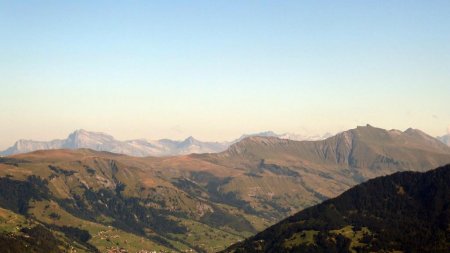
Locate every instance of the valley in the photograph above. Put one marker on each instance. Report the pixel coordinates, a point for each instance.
(200, 202)
(402, 212)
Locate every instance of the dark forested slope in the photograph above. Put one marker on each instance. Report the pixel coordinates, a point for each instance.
(406, 211)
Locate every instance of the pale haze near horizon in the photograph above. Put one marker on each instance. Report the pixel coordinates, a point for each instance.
(219, 69)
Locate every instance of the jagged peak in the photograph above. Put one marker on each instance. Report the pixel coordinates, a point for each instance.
(190, 138)
(80, 133)
(417, 132)
(368, 127)
(413, 131)
(86, 132)
(395, 131)
(267, 133)
(243, 144)
(260, 134)
(22, 141)
(257, 138)
(189, 141)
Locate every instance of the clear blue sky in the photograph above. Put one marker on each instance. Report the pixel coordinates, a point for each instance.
(217, 69)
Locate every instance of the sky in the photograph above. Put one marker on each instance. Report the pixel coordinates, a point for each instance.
(218, 69)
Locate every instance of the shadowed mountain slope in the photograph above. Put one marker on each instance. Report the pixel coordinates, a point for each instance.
(403, 212)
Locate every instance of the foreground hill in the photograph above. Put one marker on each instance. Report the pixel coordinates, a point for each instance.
(203, 202)
(121, 201)
(21, 234)
(403, 212)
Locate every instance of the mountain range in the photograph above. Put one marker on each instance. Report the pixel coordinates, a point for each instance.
(104, 142)
(142, 147)
(139, 147)
(403, 212)
(445, 139)
(100, 200)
